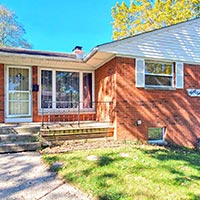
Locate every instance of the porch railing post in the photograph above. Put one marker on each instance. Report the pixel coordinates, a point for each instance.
(78, 113)
(42, 114)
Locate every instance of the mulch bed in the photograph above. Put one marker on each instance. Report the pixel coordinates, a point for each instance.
(81, 145)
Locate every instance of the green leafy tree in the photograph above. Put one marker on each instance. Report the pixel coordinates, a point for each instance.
(11, 31)
(145, 15)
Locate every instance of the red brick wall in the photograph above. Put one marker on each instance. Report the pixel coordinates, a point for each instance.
(2, 93)
(172, 109)
(105, 91)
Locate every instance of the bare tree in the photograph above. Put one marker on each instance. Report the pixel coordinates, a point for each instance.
(11, 31)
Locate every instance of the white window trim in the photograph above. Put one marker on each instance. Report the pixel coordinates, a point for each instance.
(68, 110)
(161, 75)
(162, 141)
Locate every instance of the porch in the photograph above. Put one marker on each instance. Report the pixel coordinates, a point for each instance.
(32, 136)
(71, 121)
(74, 120)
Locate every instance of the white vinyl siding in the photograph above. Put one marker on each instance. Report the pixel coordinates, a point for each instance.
(178, 42)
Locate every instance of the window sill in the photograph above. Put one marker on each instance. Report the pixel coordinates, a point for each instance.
(163, 142)
(159, 88)
(65, 112)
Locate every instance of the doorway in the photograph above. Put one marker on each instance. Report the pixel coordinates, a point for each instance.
(18, 94)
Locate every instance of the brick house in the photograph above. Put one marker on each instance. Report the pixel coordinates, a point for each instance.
(152, 81)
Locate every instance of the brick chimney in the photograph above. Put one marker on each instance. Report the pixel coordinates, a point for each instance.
(78, 52)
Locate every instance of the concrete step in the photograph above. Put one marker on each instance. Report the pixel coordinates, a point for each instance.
(19, 147)
(10, 138)
(27, 129)
(19, 130)
(7, 130)
(18, 138)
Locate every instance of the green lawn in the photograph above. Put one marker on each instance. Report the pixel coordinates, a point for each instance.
(133, 172)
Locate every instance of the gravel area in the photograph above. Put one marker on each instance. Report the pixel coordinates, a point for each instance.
(23, 176)
(70, 146)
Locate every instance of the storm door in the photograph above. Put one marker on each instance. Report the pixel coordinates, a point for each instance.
(18, 92)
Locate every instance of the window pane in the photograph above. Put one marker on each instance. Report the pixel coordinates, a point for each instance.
(67, 89)
(155, 134)
(18, 108)
(158, 68)
(18, 79)
(158, 80)
(46, 86)
(87, 90)
(18, 96)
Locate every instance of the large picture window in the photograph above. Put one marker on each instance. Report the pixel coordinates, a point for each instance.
(66, 89)
(158, 74)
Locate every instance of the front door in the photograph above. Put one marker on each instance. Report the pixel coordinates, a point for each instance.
(18, 94)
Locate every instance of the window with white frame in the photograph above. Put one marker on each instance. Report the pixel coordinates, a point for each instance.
(65, 89)
(158, 74)
(156, 134)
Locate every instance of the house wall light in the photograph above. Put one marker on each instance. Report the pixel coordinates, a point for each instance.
(138, 122)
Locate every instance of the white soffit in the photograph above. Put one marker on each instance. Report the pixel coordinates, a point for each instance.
(99, 58)
(15, 59)
(91, 62)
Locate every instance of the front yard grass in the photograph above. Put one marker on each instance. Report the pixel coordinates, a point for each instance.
(132, 172)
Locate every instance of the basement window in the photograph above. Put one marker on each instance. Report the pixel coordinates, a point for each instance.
(156, 135)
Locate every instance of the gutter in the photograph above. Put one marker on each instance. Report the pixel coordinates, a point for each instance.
(90, 54)
(41, 57)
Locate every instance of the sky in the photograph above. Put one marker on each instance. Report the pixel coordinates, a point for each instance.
(60, 25)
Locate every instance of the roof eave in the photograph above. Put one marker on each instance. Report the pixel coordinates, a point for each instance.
(40, 56)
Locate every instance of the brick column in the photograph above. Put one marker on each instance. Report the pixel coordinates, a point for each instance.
(36, 118)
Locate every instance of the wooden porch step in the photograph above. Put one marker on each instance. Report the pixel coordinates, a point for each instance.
(55, 135)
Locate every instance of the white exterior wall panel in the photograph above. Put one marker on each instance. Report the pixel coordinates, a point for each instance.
(177, 43)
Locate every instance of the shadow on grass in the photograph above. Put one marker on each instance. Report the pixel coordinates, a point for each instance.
(192, 157)
(51, 159)
(189, 157)
(104, 160)
(114, 196)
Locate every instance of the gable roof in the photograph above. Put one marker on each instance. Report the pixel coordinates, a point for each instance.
(180, 42)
